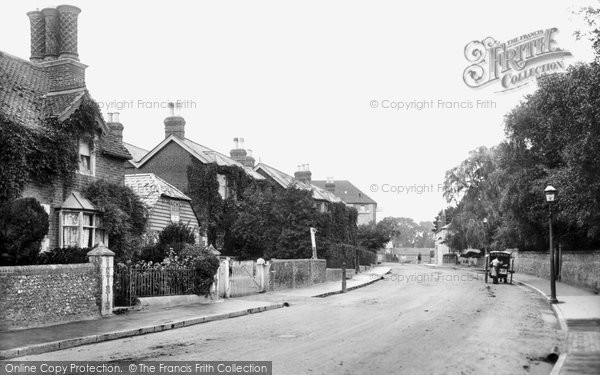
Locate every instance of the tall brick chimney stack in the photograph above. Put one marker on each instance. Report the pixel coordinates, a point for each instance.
(174, 123)
(303, 174)
(68, 31)
(238, 153)
(54, 46)
(52, 37)
(116, 128)
(38, 35)
(330, 185)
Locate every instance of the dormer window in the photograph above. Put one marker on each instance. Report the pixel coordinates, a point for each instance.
(86, 158)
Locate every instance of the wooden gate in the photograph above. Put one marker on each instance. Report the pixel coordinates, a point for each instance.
(243, 278)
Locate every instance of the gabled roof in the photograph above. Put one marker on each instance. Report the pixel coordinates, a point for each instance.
(200, 152)
(150, 188)
(136, 152)
(347, 192)
(285, 181)
(25, 100)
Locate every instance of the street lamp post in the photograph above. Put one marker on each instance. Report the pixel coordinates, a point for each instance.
(551, 194)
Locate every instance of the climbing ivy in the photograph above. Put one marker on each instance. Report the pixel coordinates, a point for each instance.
(43, 154)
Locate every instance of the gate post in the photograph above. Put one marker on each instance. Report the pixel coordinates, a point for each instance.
(103, 258)
(260, 273)
(225, 277)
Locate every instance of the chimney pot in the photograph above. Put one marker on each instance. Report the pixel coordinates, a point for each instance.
(110, 116)
(115, 116)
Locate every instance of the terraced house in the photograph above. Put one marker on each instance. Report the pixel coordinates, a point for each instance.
(46, 95)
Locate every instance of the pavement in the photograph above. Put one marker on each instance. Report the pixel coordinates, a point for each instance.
(18, 343)
(578, 313)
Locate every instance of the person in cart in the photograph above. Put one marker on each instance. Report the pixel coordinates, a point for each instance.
(495, 269)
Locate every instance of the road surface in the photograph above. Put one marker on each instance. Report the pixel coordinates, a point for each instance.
(418, 320)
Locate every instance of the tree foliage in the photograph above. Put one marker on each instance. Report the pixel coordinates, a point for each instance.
(123, 213)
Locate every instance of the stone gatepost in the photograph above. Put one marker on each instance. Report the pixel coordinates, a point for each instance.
(103, 258)
(261, 274)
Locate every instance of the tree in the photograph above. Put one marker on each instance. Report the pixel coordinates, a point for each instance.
(23, 225)
(372, 237)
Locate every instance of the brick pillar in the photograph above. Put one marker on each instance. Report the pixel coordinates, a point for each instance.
(224, 286)
(261, 273)
(52, 33)
(103, 258)
(38, 35)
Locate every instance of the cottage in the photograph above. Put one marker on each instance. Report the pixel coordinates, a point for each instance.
(50, 89)
(353, 196)
(301, 180)
(170, 159)
(166, 204)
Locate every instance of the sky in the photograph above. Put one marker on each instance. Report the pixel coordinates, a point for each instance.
(310, 82)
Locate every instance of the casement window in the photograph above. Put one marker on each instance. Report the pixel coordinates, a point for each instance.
(87, 159)
(45, 246)
(81, 229)
(175, 212)
(223, 191)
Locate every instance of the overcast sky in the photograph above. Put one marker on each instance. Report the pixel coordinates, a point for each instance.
(296, 79)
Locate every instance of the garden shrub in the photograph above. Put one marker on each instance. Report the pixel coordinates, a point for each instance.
(23, 225)
(64, 255)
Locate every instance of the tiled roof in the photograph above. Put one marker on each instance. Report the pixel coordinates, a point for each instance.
(111, 145)
(285, 181)
(22, 87)
(150, 188)
(200, 152)
(347, 192)
(136, 152)
(24, 100)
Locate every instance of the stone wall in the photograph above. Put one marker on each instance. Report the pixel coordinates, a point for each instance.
(296, 273)
(35, 296)
(581, 268)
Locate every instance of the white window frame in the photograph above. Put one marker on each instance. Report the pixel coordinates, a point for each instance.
(175, 211)
(92, 156)
(80, 228)
(223, 191)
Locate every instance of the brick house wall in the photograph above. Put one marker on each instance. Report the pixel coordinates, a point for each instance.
(171, 165)
(53, 194)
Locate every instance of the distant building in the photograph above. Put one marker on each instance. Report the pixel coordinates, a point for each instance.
(301, 180)
(353, 196)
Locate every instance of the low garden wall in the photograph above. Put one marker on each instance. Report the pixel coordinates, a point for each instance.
(578, 267)
(296, 273)
(35, 296)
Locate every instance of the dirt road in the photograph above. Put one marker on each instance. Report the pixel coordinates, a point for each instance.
(417, 320)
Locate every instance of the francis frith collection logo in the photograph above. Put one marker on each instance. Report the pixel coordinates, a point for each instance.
(514, 63)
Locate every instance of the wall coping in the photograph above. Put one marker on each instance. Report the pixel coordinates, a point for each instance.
(47, 269)
(296, 260)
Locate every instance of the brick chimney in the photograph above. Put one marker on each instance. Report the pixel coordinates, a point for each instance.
(250, 161)
(54, 46)
(174, 123)
(330, 184)
(116, 128)
(38, 35)
(303, 174)
(238, 153)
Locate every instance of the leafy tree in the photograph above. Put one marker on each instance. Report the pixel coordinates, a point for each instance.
(372, 237)
(23, 225)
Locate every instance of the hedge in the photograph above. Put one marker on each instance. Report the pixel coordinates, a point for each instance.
(336, 254)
